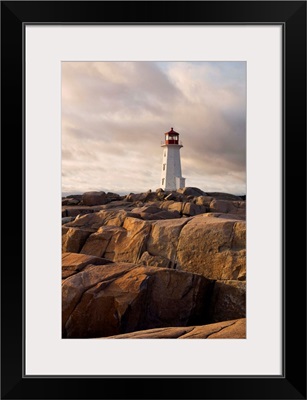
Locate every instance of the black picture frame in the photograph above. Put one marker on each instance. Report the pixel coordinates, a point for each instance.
(292, 16)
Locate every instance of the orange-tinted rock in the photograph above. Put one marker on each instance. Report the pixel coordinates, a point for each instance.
(228, 301)
(105, 300)
(213, 247)
(75, 262)
(164, 236)
(235, 329)
(203, 201)
(191, 191)
(171, 205)
(227, 206)
(74, 287)
(97, 243)
(149, 209)
(97, 219)
(191, 209)
(73, 239)
(155, 261)
(94, 198)
(128, 244)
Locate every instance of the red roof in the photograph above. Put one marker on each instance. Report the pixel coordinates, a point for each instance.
(171, 132)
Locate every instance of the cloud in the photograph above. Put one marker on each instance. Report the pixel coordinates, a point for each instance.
(114, 115)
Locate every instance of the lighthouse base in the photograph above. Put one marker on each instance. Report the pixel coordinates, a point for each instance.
(180, 182)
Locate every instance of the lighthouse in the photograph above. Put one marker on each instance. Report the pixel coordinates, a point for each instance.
(171, 178)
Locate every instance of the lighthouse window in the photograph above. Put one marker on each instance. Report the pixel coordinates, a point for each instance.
(164, 167)
(164, 153)
(163, 180)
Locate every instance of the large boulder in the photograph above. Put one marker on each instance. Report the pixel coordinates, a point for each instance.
(113, 196)
(94, 198)
(203, 201)
(97, 219)
(152, 211)
(191, 191)
(148, 209)
(70, 202)
(161, 215)
(114, 242)
(73, 239)
(227, 206)
(97, 243)
(74, 262)
(235, 329)
(164, 237)
(210, 244)
(190, 209)
(228, 301)
(171, 205)
(104, 300)
(155, 261)
(143, 197)
(128, 244)
(186, 208)
(213, 247)
(173, 196)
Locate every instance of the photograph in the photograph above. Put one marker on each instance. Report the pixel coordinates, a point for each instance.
(156, 151)
(153, 200)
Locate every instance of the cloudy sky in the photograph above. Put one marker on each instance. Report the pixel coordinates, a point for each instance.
(115, 114)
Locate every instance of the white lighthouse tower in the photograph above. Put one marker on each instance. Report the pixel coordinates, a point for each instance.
(171, 178)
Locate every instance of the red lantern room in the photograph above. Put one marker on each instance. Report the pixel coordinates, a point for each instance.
(171, 137)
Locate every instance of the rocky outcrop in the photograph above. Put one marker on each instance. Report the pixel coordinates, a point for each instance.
(67, 219)
(191, 191)
(226, 206)
(73, 263)
(203, 201)
(154, 212)
(213, 247)
(154, 260)
(190, 209)
(71, 211)
(105, 300)
(98, 242)
(235, 329)
(94, 198)
(145, 197)
(208, 244)
(74, 238)
(97, 219)
(164, 236)
(228, 301)
(70, 202)
(130, 243)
